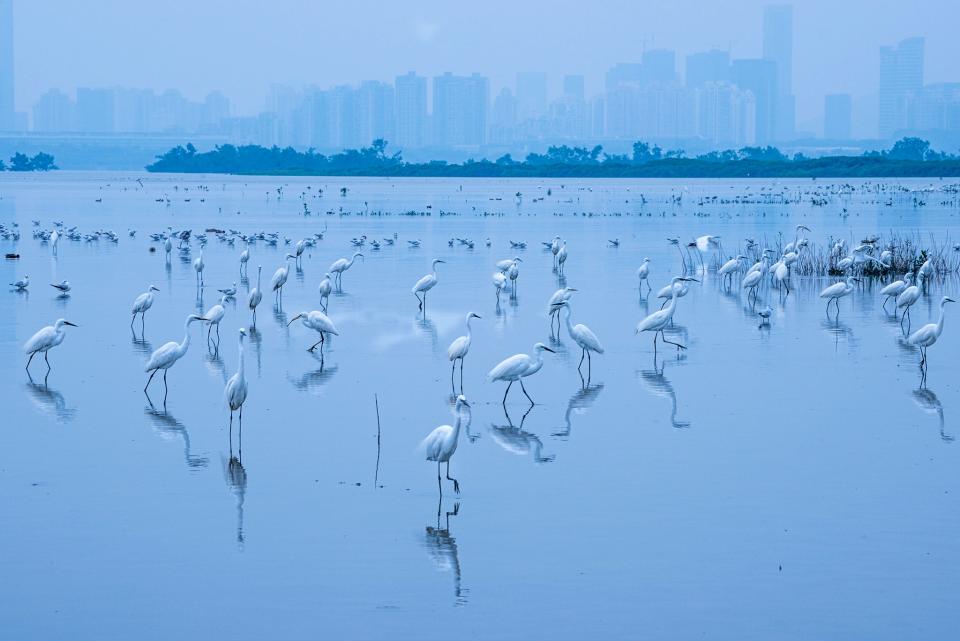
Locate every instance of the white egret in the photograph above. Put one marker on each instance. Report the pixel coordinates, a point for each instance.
(198, 267)
(235, 392)
(458, 350)
(21, 284)
(782, 275)
(667, 291)
(45, 340)
(426, 283)
(514, 273)
(584, 337)
(441, 443)
(643, 274)
(214, 315)
(835, 292)
(908, 297)
(555, 249)
(503, 266)
(255, 296)
(54, 240)
(168, 354)
(561, 257)
(318, 322)
(325, 288)
(341, 265)
(894, 289)
(659, 319)
(928, 334)
(553, 305)
(141, 304)
(765, 315)
(167, 247)
(730, 267)
(499, 282)
(280, 279)
(298, 250)
(518, 367)
(244, 258)
(63, 287)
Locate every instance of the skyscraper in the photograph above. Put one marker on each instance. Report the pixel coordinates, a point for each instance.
(901, 74)
(837, 116)
(659, 67)
(7, 116)
(460, 110)
(573, 86)
(531, 94)
(759, 76)
(707, 66)
(375, 111)
(411, 110)
(54, 112)
(778, 47)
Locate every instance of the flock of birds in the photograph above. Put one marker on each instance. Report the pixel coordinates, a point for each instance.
(754, 268)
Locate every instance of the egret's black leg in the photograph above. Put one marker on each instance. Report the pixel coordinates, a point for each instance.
(154, 373)
(504, 403)
(525, 392)
(456, 483)
(439, 482)
(664, 337)
(314, 346)
(30, 359)
(583, 352)
(46, 359)
(461, 374)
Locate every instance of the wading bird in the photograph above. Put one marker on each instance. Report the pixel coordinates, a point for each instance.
(561, 257)
(325, 288)
(553, 305)
(928, 334)
(198, 267)
(168, 354)
(441, 443)
(643, 274)
(659, 319)
(894, 289)
(426, 283)
(280, 279)
(458, 350)
(499, 282)
(45, 340)
(142, 303)
(908, 297)
(235, 391)
(584, 337)
(835, 292)
(518, 367)
(214, 315)
(341, 265)
(244, 258)
(318, 322)
(255, 296)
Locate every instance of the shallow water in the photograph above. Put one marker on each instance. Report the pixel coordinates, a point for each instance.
(792, 482)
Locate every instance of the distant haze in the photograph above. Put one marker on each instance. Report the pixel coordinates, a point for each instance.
(241, 47)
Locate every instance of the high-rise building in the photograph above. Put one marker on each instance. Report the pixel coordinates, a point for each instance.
(503, 117)
(778, 47)
(54, 112)
(935, 108)
(759, 76)
(411, 110)
(659, 67)
(8, 120)
(624, 73)
(460, 110)
(707, 66)
(94, 110)
(531, 95)
(375, 111)
(726, 115)
(573, 86)
(838, 116)
(901, 74)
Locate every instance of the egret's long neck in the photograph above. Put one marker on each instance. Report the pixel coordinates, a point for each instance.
(569, 322)
(943, 308)
(673, 302)
(186, 337)
(456, 425)
(240, 364)
(258, 277)
(469, 331)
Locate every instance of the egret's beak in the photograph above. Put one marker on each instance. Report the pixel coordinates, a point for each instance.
(154, 289)
(549, 350)
(465, 404)
(949, 300)
(70, 324)
(442, 261)
(692, 280)
(478, 316)
(573, 289)
(297, 317)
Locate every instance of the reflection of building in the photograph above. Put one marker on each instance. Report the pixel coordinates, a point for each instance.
(8, 120)
(460, 110)
(901, 74)
(838, 116)
(411, 110)
(778, 48)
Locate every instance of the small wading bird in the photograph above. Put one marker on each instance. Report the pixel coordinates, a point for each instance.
(894, 289)
(325, 288)
(584, 337)
(553, 305)
(45, 340)
(214, 315)
(835, 292)
(518, 367)
(441, 443)
(341, 265)
(318, 322)
(659, 319)
(458, 350)
(643, 274)
(928, 334)
(426, 283)
(255, 296)
(908, 297)
(499, 282)
(142, 303)
(235, 391)
(198, 267)
(63, 287)
(244, 258)
(280, 279)
(168, 354)
(21, 284)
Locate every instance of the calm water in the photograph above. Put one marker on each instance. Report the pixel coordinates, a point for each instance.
(789, 482)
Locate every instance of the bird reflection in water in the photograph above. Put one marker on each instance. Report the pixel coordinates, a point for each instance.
(49, 401)
(236, 477)
(314, 380)
(279, 315)
(256, 342)
(517, 441)
(578, 404)
(141, 345)
(428, 328)
(170, 428)
(442, 548)
(214, 362)
(656, 383)
(928, 402)
(466, 415)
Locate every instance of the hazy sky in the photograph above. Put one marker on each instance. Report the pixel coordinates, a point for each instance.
(242, 46)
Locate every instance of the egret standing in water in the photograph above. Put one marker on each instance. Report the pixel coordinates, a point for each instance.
(244, 258)
(894, 289)
(142, 303)
(499, 282)
(659, 319)
(168, 354)
(45, 340)
(908, 297)
(928, 334)
(341, 265)
(643, 273)
(441, 443)
(318, 322)
(562, 257)
(255, 296)
(518, 367)
(553, 305)
(458, 350)
(214, 315)
(426, 283)
(280, 279)
(584, 337)
(235, 392)
(514, 273)
(198, 267)
(835, 292)
(325, 288)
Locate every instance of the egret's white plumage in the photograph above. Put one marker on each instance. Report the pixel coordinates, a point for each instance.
(168, 354)
(141, 304)
(325, 288)
(235, 392)
(459, 348)
(499, 282)
(643, 274)
(318, 322)
(928, 334)
(441, 443)
(341, 265)
(835, 292)
(280, 277)
(426, 283)
(255, 296)
(518, 367)
(46, 339)
(659, 319)
(556, 300)
(582, 336)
